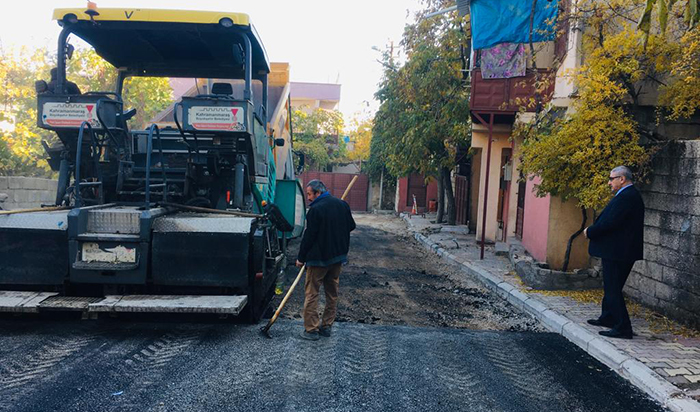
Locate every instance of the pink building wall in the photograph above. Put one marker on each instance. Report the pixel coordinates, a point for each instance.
(535, 222)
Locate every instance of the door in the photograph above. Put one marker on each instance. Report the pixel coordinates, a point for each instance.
(417, 187)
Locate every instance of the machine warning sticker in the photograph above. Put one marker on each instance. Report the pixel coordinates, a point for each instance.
(230, 119)
(70, 114)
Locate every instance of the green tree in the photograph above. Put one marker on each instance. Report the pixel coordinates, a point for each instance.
(317, 135)
(424, 111)
(21, 150)
(148, 95)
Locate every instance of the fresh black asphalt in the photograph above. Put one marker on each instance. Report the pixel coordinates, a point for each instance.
(119, 365)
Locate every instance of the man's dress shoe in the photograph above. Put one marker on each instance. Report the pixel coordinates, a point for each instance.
(615, 334)
(597, 322)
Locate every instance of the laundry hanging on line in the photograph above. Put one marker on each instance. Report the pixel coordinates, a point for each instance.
(503, 61)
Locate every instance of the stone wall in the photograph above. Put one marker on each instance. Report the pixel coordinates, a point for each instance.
(27, 192)
(668, 280)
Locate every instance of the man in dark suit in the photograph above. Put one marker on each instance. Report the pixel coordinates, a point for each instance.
(617, 237)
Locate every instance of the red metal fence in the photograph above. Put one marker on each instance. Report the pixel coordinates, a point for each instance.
(336, 184)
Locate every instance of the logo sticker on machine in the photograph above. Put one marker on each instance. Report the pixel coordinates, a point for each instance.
(70, 114)
(230, 119)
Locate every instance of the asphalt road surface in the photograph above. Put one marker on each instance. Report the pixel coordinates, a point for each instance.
(413, 335)
(168, 366)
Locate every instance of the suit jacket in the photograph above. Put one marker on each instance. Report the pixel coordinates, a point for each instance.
(618, 233)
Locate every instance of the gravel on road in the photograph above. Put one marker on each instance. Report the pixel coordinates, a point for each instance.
(391, 279)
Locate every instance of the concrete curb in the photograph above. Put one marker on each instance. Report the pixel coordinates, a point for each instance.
(625, 365)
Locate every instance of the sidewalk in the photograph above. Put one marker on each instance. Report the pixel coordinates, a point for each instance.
(665, 365)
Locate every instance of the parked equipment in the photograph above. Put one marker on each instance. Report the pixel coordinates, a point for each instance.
(182, 219)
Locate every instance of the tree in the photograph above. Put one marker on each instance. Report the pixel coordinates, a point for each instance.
(21, 150)
(317, 136)
(361, 136)
(682, 97)
(573, 153)
(148, 95)
(424, 111)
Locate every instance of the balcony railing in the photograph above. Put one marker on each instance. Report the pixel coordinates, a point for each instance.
(510, 95)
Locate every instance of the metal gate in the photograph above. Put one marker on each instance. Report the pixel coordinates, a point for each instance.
(336, 184)
(461, 193)
(417, 187)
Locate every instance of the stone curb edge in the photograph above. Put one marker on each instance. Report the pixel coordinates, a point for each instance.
(628, 367)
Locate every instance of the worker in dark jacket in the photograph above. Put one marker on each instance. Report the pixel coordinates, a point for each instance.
(617, 237)
(324, 248)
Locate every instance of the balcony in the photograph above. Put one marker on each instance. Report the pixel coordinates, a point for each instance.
(510, 95)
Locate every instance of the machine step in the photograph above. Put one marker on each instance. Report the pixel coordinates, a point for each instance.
(22, 302)
(119, 219)
(231, 305)
(108, 237)
(105, 266)
(34, 302)
(68, 303)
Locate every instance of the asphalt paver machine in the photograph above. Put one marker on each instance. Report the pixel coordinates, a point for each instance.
(166, 219)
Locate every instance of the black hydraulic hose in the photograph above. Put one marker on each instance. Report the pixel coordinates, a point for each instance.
(179, 127)
(104, 126)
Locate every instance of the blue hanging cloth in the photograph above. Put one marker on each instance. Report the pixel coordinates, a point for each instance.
(508, 21)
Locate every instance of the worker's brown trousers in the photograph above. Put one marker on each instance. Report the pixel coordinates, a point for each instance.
(315, 276)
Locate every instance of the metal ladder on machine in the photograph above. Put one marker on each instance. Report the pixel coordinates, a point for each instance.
(132, 185)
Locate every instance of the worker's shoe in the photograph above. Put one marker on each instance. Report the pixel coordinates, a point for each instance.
(309, 335)
(325, 331)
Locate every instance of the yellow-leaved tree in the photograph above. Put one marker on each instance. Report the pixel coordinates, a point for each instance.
(361, 136)
(573, 152)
